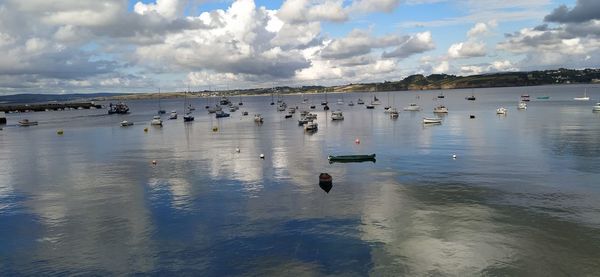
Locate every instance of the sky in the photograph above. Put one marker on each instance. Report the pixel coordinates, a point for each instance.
(86, 46)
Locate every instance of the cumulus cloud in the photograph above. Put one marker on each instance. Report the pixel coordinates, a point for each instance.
(411, 45)
(584, 10)
(468, 49)
(481, 28)
(358, 42)
(296, 11)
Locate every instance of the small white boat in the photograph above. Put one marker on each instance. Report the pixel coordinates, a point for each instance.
(311, 126)
(584, 98)
(412, 107)
(337, 115)
(126, 123)
(26, 123)
(156, 121)
(360, 101)
(394, 113)
(282, 107)
(596, 108)
(501, 111)
(340, 102)
(432, 120)
(522, 106)
(440, 109)
(351, 104)
(173, 115)
(258, 118)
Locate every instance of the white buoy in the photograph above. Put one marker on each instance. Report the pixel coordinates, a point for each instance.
(237, 150)
(262, 156)
(454, 156)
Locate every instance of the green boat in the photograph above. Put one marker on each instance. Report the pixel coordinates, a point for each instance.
(543, 97)
(351, 158)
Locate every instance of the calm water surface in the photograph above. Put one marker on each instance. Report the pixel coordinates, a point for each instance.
(522, 197)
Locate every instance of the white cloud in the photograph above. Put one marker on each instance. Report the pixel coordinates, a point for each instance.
(481, 28)
(466, 49)
(443, 67)
(416, 44)
(167, 8)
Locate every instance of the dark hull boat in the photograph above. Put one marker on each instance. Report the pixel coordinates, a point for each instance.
(351, 158)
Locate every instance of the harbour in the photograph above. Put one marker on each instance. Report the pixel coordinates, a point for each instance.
(503, 194)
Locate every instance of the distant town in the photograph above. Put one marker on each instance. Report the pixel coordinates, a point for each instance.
(412, 82)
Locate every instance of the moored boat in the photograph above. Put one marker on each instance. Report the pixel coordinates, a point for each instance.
(26, 123)
(360, 102)
(394, 113)
(351, 158)
(412, 107)
(596, 108)
(432, 120)
(440, 109)
(501, 111)
(525, 98)
(156, 121)
(126, 123)
(173, 115)
(522, 106)
(221, 114)
(584, 98)
(119, 108)
(188, 117)
(311, 126)
(258, 118)
(337, 115)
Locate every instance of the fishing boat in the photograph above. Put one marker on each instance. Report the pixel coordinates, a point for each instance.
(126, 123)
(440, 109)
(360, 102)
(27, 123)
(337, 115)
(525, 98)
(311, 126)
(522, 105)
(258, 118)
(412, 107)
(584, 98)
(501, 111)
(394, 113)
(156, 121)
(351, 158)
(119, 108)
(160, 110)
(432, 120)
(173, 115)
(596, 108)
(221, 114)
